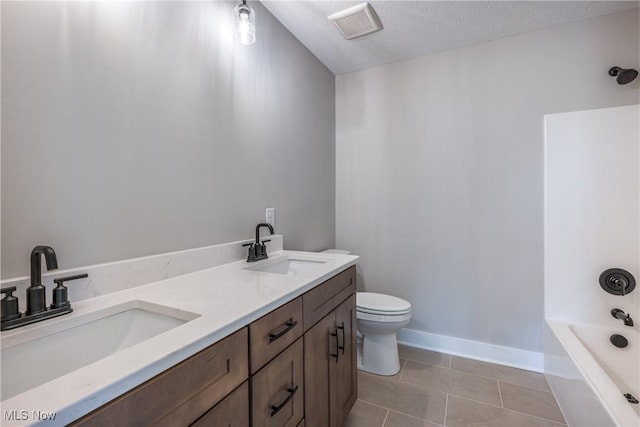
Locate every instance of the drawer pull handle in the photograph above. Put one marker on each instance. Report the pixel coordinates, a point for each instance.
(344, 338)
(275, 409)
(289, 326)
(336, 355)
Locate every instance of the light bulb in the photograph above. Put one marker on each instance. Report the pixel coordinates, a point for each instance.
(245, 24)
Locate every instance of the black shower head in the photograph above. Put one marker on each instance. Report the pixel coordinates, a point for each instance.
(622, 75)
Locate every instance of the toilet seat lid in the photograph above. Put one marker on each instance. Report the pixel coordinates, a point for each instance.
(380, 303)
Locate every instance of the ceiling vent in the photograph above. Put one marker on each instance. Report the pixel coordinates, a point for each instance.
(357, 21)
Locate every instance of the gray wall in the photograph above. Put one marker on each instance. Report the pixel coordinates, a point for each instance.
(439, 164)
(136, 128)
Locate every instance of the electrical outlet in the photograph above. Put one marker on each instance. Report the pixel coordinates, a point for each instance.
(271, 216)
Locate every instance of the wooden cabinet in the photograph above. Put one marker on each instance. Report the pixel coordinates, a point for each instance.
(180, 395)
(276, 355)
(233, 411)
(330, 354)
(278, 390)
(325, 297)
(345, 387)
(274, 332)
(318, 347)
(330, 372)
(293, 367)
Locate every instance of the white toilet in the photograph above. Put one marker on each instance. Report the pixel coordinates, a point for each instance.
(379, 317)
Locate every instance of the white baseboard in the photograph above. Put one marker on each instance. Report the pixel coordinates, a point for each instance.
(501, 355)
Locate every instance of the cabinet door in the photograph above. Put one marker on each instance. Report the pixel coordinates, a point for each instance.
(319, 344)
(277, 390)
(344, 389)
(233, 411)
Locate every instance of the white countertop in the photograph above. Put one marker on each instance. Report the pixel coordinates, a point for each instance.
(226, 298)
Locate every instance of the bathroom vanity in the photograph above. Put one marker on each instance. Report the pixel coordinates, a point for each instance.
(273, 344)
(298, 359)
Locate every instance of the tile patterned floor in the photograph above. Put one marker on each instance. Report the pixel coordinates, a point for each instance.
(434, 389)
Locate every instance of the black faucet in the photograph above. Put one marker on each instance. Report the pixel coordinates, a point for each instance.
(625, 317)
(35, 293)
(37, 310)
(258, 250)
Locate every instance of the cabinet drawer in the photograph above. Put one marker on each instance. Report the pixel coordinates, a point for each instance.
(181, 394)
(274, 332)
(277, 390)
(322, 299)
(233, 411)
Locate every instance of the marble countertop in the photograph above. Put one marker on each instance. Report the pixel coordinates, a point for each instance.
(225, 298)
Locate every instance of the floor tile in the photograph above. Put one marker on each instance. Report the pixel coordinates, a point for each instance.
(364, 414)
(395, 377)
(499, 372)
(396, 419)
(531, 401)
(453, 381)
(402, 397)
(403, 363)
(466, 413)
(424, 356)
(473, 393)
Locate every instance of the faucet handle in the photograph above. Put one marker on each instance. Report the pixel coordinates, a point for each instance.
(9, 307)
(60, 298)
(253, 252)
(59, 281)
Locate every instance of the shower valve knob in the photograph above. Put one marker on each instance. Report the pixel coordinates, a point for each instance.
(617, 281)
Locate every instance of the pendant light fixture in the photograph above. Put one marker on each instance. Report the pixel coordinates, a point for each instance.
(245, 24)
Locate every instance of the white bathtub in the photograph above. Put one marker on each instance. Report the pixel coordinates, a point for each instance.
(608, 372)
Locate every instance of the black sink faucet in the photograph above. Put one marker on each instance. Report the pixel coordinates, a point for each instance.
(36, 301)
(258, 250)
(259, 226)
(37, 310)
(625, 317)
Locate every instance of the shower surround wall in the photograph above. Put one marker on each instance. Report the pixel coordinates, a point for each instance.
(137, 128)
(592, 223)
(440, 166)
(592, 212)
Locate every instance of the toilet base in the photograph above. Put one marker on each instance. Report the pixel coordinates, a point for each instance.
(380, 354)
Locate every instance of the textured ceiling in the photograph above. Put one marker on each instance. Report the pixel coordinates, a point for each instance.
(416, 28)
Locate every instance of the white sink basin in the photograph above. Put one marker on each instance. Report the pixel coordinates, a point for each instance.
(48, 351)
(287, 266)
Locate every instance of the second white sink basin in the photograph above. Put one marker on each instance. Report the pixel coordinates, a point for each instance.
(51, 350)
(288, 266)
